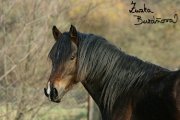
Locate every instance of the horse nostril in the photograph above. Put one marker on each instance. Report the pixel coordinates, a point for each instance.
(45, 92)
(55, 92)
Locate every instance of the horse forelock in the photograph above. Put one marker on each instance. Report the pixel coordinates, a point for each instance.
(60, 50)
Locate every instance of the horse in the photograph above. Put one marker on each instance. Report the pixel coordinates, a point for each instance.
(123, 86)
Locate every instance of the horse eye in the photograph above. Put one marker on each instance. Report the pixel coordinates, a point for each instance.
(72, 57)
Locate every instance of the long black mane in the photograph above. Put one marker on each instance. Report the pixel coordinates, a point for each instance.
(121, 75)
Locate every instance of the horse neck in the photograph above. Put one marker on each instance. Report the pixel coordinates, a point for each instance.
(94, 90)
(93, 85)
(96, 93)
(110, 81)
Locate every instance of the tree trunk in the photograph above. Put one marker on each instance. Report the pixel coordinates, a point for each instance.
(93, 110)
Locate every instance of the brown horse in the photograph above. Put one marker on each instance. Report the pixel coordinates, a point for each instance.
(123, 86)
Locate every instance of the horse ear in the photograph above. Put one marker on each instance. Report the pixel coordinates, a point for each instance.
(56, 33)
(73, 34)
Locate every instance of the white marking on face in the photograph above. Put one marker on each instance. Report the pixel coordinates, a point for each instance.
(48, 89)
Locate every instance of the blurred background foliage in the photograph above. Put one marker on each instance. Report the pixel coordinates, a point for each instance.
(26, 38)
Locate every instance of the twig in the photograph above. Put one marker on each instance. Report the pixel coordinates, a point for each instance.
(21, 60)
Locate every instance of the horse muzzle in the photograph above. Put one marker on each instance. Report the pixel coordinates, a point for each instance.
(52, 95)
